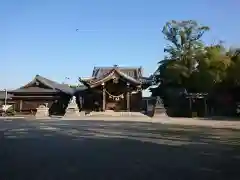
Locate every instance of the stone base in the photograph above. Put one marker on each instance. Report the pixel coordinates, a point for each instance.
(42, 112)
(73, 113)
(160, 115)
(159, 112)
(110, 113)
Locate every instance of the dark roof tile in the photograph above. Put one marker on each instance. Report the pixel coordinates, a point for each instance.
(99, 72)
(54, 86)
(34, 90)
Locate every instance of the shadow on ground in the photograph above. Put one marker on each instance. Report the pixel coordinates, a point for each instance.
(171, 153)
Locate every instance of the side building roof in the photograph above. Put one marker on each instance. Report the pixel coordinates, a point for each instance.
(53, 85)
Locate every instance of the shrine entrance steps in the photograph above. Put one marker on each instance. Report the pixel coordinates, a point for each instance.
(110, 113)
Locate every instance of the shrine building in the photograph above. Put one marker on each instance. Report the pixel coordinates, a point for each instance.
(109, 88)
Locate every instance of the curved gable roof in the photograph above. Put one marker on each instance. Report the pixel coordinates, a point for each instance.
(107, 76)
(52, 85)
(134, 72)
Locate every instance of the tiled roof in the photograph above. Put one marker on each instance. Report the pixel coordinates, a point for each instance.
(102, 74)
(54, 86)
(103, 77)
(80, 88)
(34, 90)
(99, 72)
(146, 80)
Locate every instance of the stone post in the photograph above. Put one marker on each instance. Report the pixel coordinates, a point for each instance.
(159, 109)
(128, 98)
(72, 110)
(104, 97)
(42, 111)
(81, 102)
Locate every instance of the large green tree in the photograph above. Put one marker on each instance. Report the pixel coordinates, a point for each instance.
(212, 68)
(182, 52)
(191, 64)
(233, 75)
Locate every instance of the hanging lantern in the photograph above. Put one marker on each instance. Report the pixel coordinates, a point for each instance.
(117, 99)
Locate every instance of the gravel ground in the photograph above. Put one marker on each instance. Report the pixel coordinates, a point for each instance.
(116, 150)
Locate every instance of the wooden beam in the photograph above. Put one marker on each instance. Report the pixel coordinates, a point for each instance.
(33, 96)
(104, 98)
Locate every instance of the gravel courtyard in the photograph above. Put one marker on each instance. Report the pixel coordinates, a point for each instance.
(95, 150)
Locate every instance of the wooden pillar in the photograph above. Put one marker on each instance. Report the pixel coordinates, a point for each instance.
(146, 109)
(104, 97)
(190, 103)
(205, 107)
(20, 105)
(128, 98)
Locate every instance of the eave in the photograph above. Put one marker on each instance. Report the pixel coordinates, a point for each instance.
(115, 71)
(52, 85)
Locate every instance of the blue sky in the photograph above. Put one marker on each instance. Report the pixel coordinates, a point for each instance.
(39, 36)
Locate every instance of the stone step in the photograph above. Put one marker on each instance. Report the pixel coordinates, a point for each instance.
(117, 114)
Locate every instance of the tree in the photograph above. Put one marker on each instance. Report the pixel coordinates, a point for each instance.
(183, 50)
(192, 66)
(233, 75)
(212, 68)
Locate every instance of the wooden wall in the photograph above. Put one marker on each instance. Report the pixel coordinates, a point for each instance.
(115, 89)
(56, 104)
(136, 102)
(30, 105)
